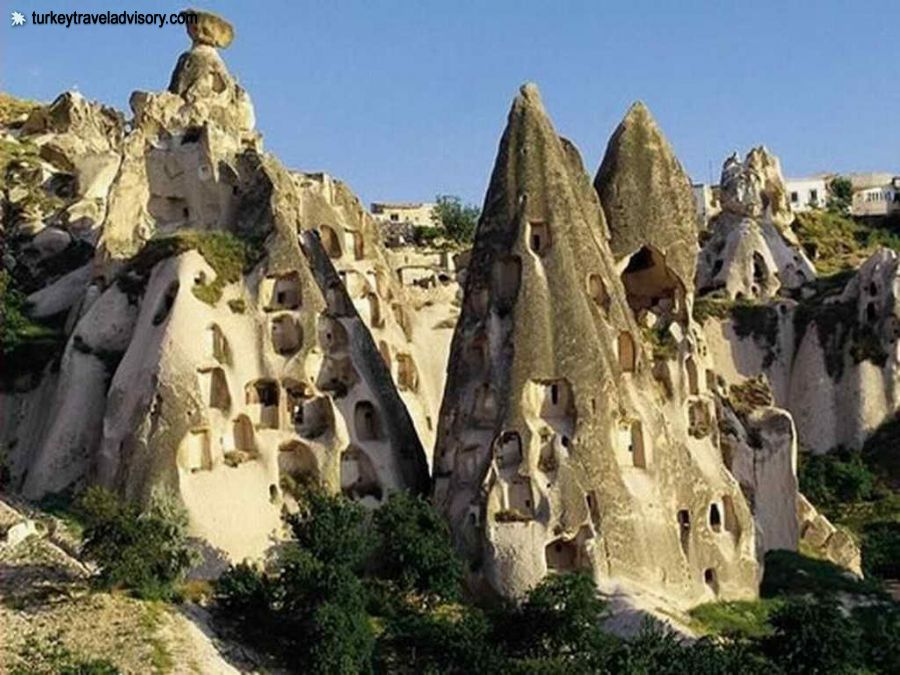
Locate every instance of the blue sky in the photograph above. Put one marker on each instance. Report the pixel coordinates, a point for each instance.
(407, 99)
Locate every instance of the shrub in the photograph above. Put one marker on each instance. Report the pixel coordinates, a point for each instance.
(560, 621)
(789, 573)
(146, 552)
(331, 529)
(813, 636)
(414, 548)
(458, 220)
(835, 477)
(880, 626)
(881, 550)
(453, 641)
(310, 609)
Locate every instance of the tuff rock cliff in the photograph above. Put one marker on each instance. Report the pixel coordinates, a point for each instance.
(564, 443)
(210, 321)
(750, 251)
(204, 346)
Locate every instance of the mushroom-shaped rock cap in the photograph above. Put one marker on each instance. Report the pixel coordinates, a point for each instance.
(209, 29)
(646, 195)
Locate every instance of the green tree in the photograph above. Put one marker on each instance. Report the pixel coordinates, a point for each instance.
(146, 552)
(458, 220)
(310, 608)
(840, 196)
(558, 625)
(15, 326)
(813, 636)
(414, 549)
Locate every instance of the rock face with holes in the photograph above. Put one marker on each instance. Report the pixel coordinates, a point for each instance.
(412, 339)
(750, 251)
(564, 442)
(206, 350)
(831, 358)
(649, 208)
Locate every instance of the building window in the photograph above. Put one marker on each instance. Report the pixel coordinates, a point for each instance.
(395, 217)
(794, 197)
(813, 196)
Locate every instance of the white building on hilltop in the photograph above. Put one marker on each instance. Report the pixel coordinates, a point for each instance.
(420, 214)
(808, 193)
(875, 194)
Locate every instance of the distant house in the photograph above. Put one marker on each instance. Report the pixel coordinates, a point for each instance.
(875, 194)
(411, 213)
(398, 220)
(808, 193)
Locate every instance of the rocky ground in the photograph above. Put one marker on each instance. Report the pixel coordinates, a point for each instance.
(49, 614)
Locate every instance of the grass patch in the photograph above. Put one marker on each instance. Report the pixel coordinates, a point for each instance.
(836, 242)
(710, 306)
(161, 660)
(661, 341)
(742, 618)
(12, 109)
(225, 253)
(750, 394)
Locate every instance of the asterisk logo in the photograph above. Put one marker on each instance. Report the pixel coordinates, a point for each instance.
(17, 19)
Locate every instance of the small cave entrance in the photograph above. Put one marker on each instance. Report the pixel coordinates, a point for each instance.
(693, 377)
(506, 277)
(297, 394)
(242, 435)
(214, 387)
(626, 352)
(715, 518)
(265, 395)
(330, 241)
(287, 335)
(359, 479)
(730, 517)
(407, 373)
(539, 237)
(651, 286)
(597, 292)
(366, 422)
(699, 419)
(216, 344)
(332, 335)
(484, 410)
(317, 418)
(195, 453)
(710, 578)
(519, 499)
(373, 307)
(298, 463)
(385, 350)
(684, 530)
(337, 375)
(166, 303)
(508, 449)
(568, 555)
(760, 269)
(358, 242)
(637, 447)
(285, 292)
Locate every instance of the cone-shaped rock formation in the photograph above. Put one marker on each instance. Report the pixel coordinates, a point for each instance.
(554, 448)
